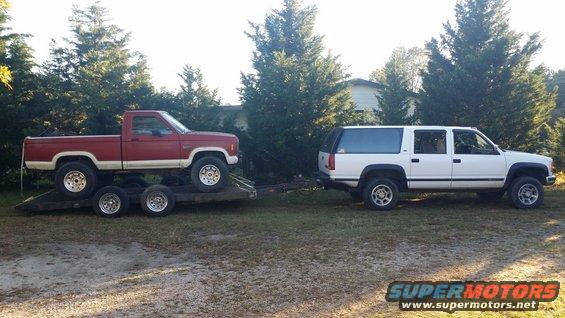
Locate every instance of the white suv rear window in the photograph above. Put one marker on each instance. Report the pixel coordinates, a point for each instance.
(370, 140)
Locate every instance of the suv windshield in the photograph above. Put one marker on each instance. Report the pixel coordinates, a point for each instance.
(177, 124)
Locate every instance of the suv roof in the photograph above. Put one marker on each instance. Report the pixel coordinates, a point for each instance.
(410, 126)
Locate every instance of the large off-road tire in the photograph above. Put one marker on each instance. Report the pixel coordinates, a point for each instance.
(157, 200)
(526, 193)
(75, 179)
(110, 202)
(491, 196)
(209, 174)
(380, 194)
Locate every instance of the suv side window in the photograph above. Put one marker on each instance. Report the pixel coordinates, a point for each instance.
(149, 126)
(468, 142)
(429, 142)
(371, 140)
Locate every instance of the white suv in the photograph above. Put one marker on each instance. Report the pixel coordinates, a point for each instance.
(375, 163)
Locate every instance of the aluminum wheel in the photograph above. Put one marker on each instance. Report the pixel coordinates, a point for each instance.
(157, 201)
(528, 194)
(75, 181)
(209, 175)
(381, 195)
(110, 203)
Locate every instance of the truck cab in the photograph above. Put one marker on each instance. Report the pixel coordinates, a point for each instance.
(428, 158)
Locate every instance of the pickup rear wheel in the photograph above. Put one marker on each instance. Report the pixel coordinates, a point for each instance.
(157, 200)
(526, 193)
(75, 180)
(209, 174)
(380, 194)
(110, 202)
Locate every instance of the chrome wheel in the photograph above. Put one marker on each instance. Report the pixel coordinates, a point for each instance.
(381, 195)
(75, 181)
(109, 203)
(528, 194)
(157, 201)
(209, 175)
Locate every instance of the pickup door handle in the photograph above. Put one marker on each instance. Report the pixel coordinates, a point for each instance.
(456, 160)
(415, 160)
(135, 139)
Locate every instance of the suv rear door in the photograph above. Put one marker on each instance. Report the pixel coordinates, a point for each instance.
(430, 166)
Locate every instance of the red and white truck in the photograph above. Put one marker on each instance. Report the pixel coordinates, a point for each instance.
(151, 141)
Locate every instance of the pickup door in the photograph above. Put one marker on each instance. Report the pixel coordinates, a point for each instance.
(149, 142)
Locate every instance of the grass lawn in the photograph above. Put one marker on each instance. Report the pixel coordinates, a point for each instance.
(287, 255)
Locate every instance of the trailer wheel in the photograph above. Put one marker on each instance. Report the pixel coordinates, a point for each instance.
(75, 180)
(157, 200)
(209, 174)
(110, 202)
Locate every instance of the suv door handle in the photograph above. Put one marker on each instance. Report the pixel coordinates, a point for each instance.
(415, 160)
(456, 160)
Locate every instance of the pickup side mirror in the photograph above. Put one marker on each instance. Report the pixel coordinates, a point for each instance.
(156, 133)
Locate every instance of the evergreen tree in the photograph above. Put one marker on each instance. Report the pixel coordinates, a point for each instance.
(20, 106)
(400, 80)
(198, 105)
(479, 75)
(5, 74)
(295, 95)
(94, 77)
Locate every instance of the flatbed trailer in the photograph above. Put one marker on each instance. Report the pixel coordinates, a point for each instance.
(239, 189)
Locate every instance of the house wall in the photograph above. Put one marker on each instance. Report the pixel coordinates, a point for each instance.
(364, 97)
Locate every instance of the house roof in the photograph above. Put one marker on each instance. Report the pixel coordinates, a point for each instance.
(360, 81)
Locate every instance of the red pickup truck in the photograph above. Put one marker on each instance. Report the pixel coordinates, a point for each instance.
(150, 141)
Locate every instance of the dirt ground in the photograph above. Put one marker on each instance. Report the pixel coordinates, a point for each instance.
(289, 257)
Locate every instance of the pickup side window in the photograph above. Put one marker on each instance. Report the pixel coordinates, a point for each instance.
(429, 142)
(370, 140)
(468, 142)
(149, 126)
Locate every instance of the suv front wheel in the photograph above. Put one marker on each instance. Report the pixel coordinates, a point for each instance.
(380, 194)
(526, 193)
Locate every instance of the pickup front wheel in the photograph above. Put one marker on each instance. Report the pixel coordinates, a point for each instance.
(75, 180)
(209, 174)
(380, 194)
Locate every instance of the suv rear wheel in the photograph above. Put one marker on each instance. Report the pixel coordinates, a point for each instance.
(526, 193)
(380, 194)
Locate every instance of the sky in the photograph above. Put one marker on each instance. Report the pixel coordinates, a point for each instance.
(210, 33)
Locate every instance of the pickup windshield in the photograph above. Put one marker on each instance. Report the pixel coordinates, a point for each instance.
(177, 124)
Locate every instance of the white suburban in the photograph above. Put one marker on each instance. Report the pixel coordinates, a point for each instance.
(375, 163)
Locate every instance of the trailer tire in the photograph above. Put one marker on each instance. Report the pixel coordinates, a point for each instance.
(209, 174)
(75, 180)
(110, 202)
(157, 200)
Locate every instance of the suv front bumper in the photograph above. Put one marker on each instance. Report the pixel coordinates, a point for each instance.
(550, 179)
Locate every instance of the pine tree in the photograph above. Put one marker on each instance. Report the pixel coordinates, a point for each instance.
(295, 95)
(198, 104)
(5, 73)
(94, 76)
(400, 80)
(479, 75)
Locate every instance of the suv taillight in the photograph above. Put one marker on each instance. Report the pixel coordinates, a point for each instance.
(331, 162)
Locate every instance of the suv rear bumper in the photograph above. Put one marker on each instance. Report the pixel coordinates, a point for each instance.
(550, 179)
(327, 182)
